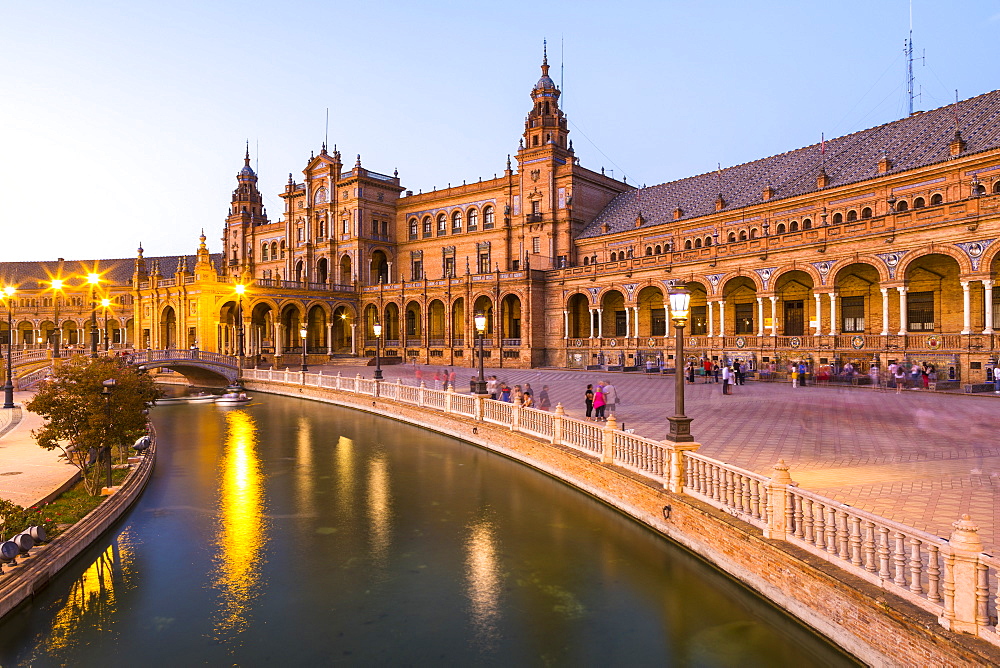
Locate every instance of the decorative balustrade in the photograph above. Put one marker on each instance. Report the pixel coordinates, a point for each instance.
(952, 579)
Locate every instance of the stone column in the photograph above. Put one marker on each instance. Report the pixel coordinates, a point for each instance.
(722, 318)
(966, 309)
(818, 329)
(833, 314)
(988, 297)
(279, 339)
(774, 315)
(600, 323)
(565, 324)
(902, 310)
(635, 320)
(329, 338)
(590, 312)
(760, 316)
(885, 311)
(628, 323)
(354, 338)
(711, 312)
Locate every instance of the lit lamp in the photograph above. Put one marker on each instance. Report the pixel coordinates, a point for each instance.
(106, 388)
(93, 280)
(106, 304)
(480, 321)
(377, 329)
(8, 387)
(680, 424)
(303, 333)
(57, 286)
(240, 289)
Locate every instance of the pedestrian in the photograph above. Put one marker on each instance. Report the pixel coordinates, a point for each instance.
(892, 373)
(925, 377)
(505, 393)
(611, 398)
(418, 373)
(873, 374)
(725, 380)
(527, 388)
(451, 379)
(437, 380)
(588, 399)
(518, 395)
(599, 404)
(529, 402)
(802, 374)
(491, 387)
(915, 376)
(690, 372)
(543, 399)
(900, 378)
(706, 369)
(793, 370)
(716, 371)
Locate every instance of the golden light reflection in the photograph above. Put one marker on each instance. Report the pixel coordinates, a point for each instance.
(305, 479)
(484, 580)
(92, 599)
(379, 508)
(344, 454)
(241, 524)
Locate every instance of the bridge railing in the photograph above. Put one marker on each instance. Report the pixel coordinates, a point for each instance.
(952, 579)
(178, 354)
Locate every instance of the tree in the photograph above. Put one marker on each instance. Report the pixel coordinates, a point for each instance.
(86, 424)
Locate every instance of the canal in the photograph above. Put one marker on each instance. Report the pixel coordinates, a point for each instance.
(297, 533)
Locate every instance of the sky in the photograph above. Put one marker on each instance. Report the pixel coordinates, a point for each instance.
(125, 122)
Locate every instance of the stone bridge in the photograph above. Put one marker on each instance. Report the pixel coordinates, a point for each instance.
(200, 367)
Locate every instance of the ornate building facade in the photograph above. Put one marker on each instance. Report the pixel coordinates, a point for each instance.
(877, 246)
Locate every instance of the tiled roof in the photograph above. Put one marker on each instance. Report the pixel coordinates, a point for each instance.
(35, 275)
(912, 142)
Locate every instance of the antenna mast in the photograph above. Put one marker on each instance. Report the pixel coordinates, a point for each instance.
(909, 62)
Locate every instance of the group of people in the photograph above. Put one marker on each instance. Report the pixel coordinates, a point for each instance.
(600, 401)
(728, 373)
(522, 396)
(914, 377)
(440, 380)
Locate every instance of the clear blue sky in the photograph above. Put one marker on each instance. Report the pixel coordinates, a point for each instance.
(125, 121)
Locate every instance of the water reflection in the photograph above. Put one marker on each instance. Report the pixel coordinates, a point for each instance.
(242, 529)
(305, 481)
(379, 509)
(483, 576)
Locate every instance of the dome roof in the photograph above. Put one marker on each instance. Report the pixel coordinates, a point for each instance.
(545, 83)
(247, 171)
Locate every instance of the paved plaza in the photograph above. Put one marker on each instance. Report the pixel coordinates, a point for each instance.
(920, 458)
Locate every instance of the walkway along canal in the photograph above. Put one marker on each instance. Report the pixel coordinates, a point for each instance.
(307, 534)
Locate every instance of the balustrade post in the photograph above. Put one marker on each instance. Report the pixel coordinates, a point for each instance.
(515, 417)
(557, 424)
(339, 376)
(480, 406)
(778, 524)
(961, 578)
(674, 480)
(449, 393)
(610, 427)
(420, 393)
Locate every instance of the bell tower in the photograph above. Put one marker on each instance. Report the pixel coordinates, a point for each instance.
(245, 213)
(545, 126)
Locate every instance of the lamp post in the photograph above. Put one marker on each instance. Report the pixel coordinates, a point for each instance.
(57, 285)
(92, 280)
(303, 333)
(680, 424)
(240, 289)
(377, 328)
(8, 387)
(108, 385)
(480, 321)
(106, 304)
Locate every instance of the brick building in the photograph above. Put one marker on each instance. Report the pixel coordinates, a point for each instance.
(879, 245)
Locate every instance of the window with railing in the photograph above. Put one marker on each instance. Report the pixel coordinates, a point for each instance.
(852, 314)
(920, 311)
(744, 318)
(699, 316)
(488, 217)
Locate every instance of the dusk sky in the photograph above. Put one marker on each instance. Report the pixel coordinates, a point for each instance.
(126, 122)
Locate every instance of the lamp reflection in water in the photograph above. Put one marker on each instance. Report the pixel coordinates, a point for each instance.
(482, 571)
(241, 521)
(379, 509)
(92, 601)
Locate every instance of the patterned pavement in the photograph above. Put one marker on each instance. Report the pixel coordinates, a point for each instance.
(920, 458)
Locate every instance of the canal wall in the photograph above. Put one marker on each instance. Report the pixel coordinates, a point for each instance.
(878, 626)
(34, 571)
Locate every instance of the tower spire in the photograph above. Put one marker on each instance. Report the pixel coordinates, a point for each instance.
(246, 160)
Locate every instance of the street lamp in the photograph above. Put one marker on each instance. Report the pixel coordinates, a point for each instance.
(377, 328)
(57, 286)
(106, 304)
(108, 385)
(8, 388)
(240, 289)
(680, 424)
(93, 280)
(480, 321)
(303, 332)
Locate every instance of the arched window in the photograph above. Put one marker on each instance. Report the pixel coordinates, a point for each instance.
(697, 243)
(414, 228)
(687, 244)
(427, 226)
(980, 189)
(919, 203)
(322, 228)
(263, 252)
(488, 217)
(852, 215)
(901, 205)
(614, 257)
(838, 218)
(743, 235)
(781, 228)
(807, 224)
(586, 261)
(731, 238)
(282, 249)
(753, 232)
(793, 226)
(658, 250)
(996, 188)
(274, 250)
(866, 212)
(649, 250)
(442, 226)
(708, 241)
(936, 199)
(473, 219)
(456, 221)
